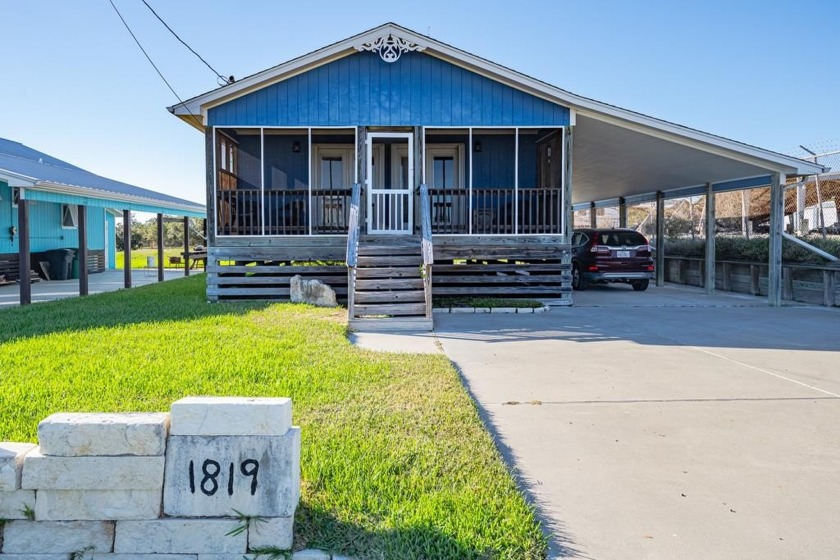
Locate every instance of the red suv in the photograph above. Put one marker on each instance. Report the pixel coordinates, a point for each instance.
(611, 255)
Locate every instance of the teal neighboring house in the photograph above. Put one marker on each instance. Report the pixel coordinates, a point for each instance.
(62, 205)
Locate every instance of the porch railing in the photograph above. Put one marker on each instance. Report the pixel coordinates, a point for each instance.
(427, 246)
(496, 210)
(287, 212)
(490, 211)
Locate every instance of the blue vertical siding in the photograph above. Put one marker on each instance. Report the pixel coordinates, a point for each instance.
(361, 89)
(111, 246)
(8, 218)
(45, 231)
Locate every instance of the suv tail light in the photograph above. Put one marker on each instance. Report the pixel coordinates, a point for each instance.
(600, 250)
(644, 250)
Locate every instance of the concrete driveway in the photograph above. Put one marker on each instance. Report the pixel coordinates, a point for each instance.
(666, 424)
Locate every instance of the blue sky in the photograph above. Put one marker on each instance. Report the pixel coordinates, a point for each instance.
(76, 86)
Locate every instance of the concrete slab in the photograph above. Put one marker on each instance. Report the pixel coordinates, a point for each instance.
(108, 281)
(422, 342)
(699, 428)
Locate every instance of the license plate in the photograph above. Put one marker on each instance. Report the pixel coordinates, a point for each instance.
(622, 254)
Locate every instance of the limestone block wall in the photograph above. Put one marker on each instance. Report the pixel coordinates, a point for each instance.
(214, 476)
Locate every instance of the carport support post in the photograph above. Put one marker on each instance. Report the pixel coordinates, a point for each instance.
(593, 219)
(709, 280)
(622, 213)
(777, 218)
(127, 248)
(83, 251)
(160, 247)
(23, 250)
(186, 245)
(660, 239)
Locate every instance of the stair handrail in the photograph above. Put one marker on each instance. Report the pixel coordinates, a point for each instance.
(427, 247)
(353, 225)
(353, 246)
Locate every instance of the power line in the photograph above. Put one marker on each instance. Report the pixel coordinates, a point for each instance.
(222, 79)
(133, 36)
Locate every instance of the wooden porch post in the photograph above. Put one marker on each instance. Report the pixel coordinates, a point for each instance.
(709, 280)
(593, 219)
(210, 178)
(127, 248)
(777, 217)
(160, 247)
(361, 172)
(660, 239)
(622, 213)
(186, 245)
(83, 251)
(23, 250)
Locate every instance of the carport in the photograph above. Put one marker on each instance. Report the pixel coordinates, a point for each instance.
(621, 158)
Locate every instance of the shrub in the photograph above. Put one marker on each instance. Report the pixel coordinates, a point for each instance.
(756, 249)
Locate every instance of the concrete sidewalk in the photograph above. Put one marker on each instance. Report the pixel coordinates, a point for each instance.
(665, 424)
(107, 281)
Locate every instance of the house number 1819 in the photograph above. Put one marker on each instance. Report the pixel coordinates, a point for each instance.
(208, 483)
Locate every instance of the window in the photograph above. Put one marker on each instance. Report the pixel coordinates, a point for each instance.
(332, 166)
(15, 196)
(69, 216)
(332, 172)
(444, 172)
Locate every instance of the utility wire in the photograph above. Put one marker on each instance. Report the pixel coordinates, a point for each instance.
(222, 79)
(133, 36)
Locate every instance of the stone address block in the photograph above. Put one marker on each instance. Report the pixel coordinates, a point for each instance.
(212, 476)
(271, 532)
(231, 416)
(180, 536)
(56, 556)
(91, 473)
(11, 463)
(85, 434)
(13, 504)
(39, 537)
(71, 505)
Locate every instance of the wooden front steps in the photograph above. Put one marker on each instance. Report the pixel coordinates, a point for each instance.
(389, 292)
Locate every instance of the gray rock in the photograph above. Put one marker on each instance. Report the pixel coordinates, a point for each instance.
(11, 464)
(57, 536)
(89, 434)
(313, 292)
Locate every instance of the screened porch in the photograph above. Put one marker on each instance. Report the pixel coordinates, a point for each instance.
(298, 181)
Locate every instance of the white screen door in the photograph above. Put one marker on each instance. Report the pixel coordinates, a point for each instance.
(390, 200)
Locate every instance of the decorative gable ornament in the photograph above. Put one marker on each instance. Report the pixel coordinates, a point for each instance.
(390, 47)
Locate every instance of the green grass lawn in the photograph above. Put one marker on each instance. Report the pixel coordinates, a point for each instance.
(395, 461)
(138, 257)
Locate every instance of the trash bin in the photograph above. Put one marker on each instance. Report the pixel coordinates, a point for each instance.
(61, 263)
(74, 268)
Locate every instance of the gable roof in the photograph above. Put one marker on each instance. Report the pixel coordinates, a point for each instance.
(194, 110)
(22, 166)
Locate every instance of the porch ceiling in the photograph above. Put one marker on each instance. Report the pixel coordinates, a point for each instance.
(612, 161)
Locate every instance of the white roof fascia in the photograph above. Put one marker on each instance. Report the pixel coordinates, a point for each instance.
(110, 196)
(584, 106)
(16, 179)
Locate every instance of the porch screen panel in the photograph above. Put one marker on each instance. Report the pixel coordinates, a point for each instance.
(539, 198)
(333, 165)
(238, 201)
(494, 177)
(286, 195)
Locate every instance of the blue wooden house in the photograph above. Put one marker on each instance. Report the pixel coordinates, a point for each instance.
(397, 168)
(48, 204)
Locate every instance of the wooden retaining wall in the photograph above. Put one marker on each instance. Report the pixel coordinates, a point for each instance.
(519, 267)
(814, 284)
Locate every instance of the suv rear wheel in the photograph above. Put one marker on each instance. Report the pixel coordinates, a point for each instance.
(640, 285)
